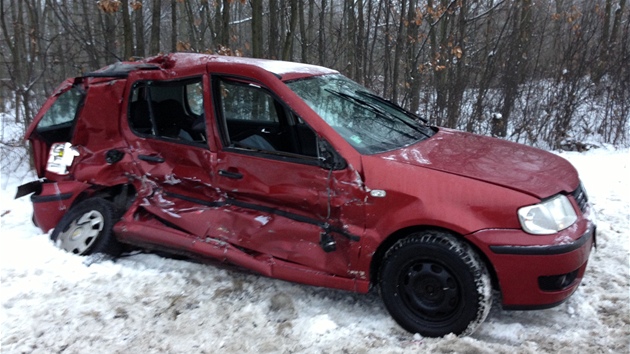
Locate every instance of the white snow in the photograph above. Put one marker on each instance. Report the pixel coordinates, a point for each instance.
(276, 66)
(52, 301)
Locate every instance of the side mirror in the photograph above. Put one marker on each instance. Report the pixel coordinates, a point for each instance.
(329, 159)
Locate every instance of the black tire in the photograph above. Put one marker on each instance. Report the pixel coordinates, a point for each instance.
(87, 228)
(434, 284)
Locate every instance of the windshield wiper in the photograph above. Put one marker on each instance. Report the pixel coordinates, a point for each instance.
(392, 105)
(377, 110)
(372, 108)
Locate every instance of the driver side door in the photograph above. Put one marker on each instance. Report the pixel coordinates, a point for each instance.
(282, 202)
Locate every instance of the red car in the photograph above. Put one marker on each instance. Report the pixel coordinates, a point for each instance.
(298, 173)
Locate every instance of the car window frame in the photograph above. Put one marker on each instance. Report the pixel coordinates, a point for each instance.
(182, 82)
(71, 124)
(289, 115)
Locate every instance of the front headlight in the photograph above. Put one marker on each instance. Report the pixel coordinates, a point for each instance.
(548, 217)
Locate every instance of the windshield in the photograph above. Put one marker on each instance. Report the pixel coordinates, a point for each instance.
(366, 121)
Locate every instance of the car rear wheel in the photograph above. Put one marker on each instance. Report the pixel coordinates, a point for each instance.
(87, 228)
(434, 284)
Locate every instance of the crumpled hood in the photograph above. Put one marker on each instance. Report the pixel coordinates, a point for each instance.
(519, 167)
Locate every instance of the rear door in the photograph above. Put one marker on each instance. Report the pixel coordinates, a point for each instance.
(168, 142)
(280, 201)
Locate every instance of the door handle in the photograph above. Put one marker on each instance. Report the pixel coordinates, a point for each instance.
(151, 158)
(229, 174)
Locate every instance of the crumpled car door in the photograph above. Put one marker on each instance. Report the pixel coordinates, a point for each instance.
(281, 201)
(169, 145)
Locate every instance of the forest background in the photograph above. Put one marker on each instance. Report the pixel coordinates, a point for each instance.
(553, 74)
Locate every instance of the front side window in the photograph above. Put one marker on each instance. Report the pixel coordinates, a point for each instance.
(366, 121)
(170, 110)
(253, 119)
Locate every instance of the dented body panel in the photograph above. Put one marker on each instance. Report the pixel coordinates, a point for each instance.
(53, 200)
(219, 157)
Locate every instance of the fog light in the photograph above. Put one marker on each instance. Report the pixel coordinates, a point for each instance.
(557, 282)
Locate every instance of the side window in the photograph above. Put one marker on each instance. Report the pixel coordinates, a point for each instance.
(57, 124)
(194, 97)
(139, 117)
(170, 110)
(62, 112)
(253, 119)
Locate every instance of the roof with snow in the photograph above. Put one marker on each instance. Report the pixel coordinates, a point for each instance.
(190, 61)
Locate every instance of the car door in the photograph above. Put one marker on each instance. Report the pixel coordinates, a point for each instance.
(168, 142)
(282, 201)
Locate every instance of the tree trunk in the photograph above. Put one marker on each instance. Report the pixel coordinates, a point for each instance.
(321, 51)
(459, 71)
(138, 18)
(614, 33)
(360, 45)
(257, 28)
(194, 40)
(516, 66)
(225, 24)
(174, 25)
(287, 51)
(412, 59)
(156, 14)
(303, 35)
(349, 41)
(387, 52)
(398, 49)
(109, 37)
(127, 31)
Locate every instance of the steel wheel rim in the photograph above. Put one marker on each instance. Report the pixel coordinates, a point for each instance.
(82, 232)
(430, 291)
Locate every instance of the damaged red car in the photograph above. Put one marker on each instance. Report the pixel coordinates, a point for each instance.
(298, 173)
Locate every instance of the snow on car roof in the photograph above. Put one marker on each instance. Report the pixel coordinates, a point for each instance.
(281, 68)
(284, 69)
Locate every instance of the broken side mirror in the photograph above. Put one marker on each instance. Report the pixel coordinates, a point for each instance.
(329, 159)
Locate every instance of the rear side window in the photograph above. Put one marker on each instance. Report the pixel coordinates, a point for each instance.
(62, 113)
(57, 124)
(171, 110)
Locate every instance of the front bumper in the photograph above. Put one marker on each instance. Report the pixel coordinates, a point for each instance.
(536, 272)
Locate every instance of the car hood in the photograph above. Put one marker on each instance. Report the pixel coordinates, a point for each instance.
(515, 166)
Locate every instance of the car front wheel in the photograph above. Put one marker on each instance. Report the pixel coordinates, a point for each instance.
(434, 284)
(87, 228)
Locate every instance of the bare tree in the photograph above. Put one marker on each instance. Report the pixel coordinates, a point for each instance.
(257, 28)
(156, 14)
(546, 73)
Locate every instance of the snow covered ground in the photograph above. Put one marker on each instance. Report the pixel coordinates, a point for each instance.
(52, 301)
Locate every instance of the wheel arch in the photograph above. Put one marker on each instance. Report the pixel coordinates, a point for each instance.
(121, 194)
(388, 242)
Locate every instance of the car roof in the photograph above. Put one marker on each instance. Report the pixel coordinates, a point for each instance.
(185, 63)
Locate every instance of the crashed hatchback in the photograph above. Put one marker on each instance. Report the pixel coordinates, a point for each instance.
(298, 173)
